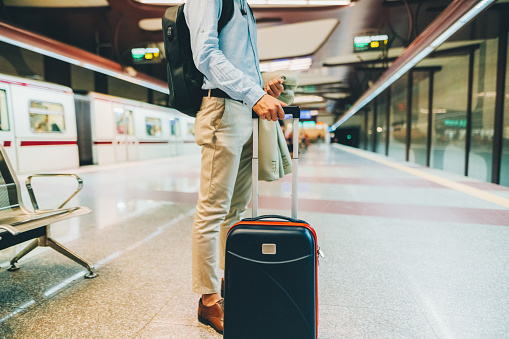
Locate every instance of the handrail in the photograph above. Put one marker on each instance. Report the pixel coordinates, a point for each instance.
(455, 16)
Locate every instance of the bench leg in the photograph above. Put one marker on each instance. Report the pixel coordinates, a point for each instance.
(21, 254)
(65, 251)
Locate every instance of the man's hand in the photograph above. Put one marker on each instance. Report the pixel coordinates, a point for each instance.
(275, 87)
(269, 108)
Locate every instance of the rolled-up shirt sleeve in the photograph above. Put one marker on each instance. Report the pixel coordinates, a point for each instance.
(202, 18)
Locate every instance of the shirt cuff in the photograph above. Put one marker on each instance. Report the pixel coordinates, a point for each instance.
(252, 97)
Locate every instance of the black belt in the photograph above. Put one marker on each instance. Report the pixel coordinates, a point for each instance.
(217, 93)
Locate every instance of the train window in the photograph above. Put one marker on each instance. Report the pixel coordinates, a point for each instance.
(175, 127)
(190, 128)
(125, 122)
(46, 117)
(4, 116)
(124, 119)
(153, 127)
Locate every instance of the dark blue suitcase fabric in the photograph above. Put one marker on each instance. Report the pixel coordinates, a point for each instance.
(270, 295)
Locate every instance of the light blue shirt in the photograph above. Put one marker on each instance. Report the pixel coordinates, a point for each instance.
(229, 62)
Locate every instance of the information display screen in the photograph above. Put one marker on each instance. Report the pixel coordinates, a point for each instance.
(146, 55)
(370, 43)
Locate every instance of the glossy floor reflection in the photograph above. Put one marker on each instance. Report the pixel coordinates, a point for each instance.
(406, 257)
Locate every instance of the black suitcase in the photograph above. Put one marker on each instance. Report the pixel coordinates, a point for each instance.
(271, 269)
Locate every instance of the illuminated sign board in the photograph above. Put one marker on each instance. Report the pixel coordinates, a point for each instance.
(455, 123)
(146, 55)
(307, 124)
(303, 115)
(370, 43)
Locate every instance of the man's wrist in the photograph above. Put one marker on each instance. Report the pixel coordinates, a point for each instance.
(253, 96)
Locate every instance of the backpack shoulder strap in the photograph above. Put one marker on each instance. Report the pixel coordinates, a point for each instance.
(226, 14)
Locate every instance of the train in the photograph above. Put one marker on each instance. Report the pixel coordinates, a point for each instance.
(47, 127)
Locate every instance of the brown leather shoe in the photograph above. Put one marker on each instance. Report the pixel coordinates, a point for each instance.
(212, 315)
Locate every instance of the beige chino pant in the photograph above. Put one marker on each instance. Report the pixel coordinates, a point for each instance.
(224, 129)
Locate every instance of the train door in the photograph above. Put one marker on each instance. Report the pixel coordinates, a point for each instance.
(84, 128)
(131, 139)
(6, 130)
(174, 136)
(125, 140)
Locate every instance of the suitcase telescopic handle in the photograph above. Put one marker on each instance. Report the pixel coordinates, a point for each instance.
(293, 110)
(275, 217)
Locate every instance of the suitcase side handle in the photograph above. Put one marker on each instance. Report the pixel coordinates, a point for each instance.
(275, 217)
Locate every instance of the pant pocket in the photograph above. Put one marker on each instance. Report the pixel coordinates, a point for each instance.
(208, 119)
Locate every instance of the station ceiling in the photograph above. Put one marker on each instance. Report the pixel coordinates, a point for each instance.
(111, 28)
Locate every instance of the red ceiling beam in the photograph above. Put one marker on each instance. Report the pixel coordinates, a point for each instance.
(73, 55)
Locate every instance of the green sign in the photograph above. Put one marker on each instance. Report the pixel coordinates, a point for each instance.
(455, 123)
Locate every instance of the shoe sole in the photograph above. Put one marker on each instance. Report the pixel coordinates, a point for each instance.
(207, 323)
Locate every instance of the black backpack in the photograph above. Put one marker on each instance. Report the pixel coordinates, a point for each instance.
(184, 80)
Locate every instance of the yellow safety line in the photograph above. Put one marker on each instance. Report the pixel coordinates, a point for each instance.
(504, 202)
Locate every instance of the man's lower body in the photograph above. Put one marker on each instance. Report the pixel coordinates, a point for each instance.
(223, 128)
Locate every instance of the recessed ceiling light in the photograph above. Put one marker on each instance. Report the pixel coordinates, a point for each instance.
(296, 64)
(264, 3)
(300, 99)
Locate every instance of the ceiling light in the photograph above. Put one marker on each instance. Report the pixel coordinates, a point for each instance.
(264, 3)
(160, 2)
(337, 96)
(294, 3)
(297, 64)
(300, 39)
(284, 2)
(56, 3)
(300, 99)
(154, 24)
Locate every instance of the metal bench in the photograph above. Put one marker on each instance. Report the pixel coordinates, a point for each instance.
(17, 224)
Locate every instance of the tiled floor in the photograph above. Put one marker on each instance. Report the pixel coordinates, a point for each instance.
(406, 257)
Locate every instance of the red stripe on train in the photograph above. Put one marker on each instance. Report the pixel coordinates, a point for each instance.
(47, 143)
(103, 142)
(154, 142)
(7, 143)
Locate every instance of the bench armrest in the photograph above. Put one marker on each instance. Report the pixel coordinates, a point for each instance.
(28, 183)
